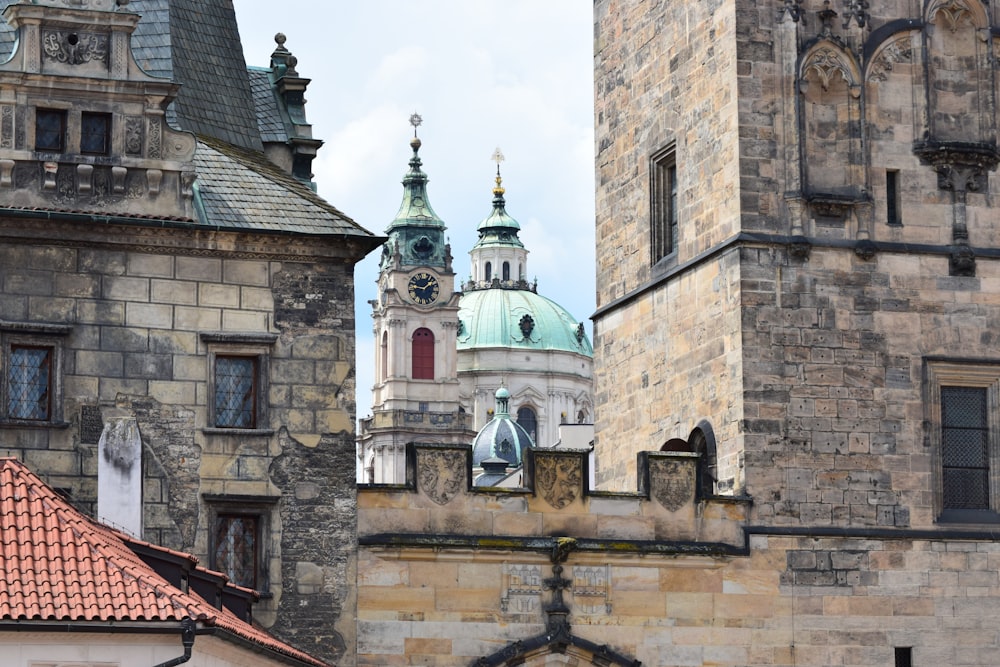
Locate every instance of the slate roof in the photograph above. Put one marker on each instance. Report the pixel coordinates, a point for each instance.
(57, 565)
(240, 188)
(269, 120)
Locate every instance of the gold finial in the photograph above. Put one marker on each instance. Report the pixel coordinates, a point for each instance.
(498, 158)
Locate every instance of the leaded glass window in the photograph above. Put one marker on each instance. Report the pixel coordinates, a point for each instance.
(235, 392)
(236, 546)
(29, 379)
(965, 448)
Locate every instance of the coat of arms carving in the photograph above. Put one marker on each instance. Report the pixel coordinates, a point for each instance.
(440, 474)
(672, 483)
(557, 479)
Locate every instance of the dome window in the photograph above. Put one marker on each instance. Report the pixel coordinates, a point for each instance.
(506, 271)
(489, 271)
(528, 421)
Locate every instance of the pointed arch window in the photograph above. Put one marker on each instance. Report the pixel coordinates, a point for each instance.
(423, 354)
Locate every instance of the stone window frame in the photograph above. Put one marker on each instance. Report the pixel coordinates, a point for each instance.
(256, 345)
(259, 507)
(978, 374)
(664, 228)
(37, 335)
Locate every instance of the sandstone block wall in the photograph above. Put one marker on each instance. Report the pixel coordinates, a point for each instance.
(142, 320)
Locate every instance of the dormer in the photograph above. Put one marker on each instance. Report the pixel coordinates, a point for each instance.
(82, 126)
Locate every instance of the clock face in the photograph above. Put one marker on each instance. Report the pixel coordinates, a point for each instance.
(424, 288)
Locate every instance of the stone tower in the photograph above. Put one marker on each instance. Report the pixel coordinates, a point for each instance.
(416, 394)
(798, 253)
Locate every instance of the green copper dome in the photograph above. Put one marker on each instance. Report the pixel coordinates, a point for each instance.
(501, 437)
(518, 318)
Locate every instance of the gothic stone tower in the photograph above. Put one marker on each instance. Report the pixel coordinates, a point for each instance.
(799, 247)
(416, 392)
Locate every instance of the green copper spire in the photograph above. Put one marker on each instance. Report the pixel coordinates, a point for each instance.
(499, 228)
(416, 235)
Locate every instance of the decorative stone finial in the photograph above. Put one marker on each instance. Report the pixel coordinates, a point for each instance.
(279, 39)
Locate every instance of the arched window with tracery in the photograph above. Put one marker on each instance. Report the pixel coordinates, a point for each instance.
(423, 354)
(529, 422)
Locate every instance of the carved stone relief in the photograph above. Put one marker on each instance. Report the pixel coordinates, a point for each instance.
(153, 136)
(521, 589)
(558, 479)
(591, 589)
(672, 483)
(6, 126)
(898, 50)
(74, 48)
(440, 474)
(133, 135)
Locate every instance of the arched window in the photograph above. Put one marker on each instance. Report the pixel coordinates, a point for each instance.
(702, 442)
(506, 270)
(423, 354)
(520, 271)
(489, 271)
(529, 422)
(384, 357)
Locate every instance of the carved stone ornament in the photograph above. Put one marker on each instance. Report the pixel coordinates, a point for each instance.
(557, 479)
(672, 483)
(960, 166)
(527, 325)
(74, 48)
(899, 50)
(962, 262)
(440, 474)
(6, 126)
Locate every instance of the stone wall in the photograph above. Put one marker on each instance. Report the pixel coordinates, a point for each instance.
(449, 575)
(142, 311)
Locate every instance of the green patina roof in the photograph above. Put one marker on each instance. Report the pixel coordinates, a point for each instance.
(501, 437)
(416, 233)
(497, 317)
(499, 228)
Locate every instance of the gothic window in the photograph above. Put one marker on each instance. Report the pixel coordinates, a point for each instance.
(962, 411)
(95, 133)
(31, 361)
(238, 380)
(893, 202)
(423, 354)
(529, 422)
(506, 271)
(702, 442)
(50, 130)
(663, 204)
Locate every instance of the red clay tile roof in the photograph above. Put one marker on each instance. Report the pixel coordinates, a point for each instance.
(56, 564)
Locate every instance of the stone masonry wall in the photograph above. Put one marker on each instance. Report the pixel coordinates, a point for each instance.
(448, 576)
(137, 318)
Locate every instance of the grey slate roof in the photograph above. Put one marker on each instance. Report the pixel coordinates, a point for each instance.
(269, 119)
(240, 188)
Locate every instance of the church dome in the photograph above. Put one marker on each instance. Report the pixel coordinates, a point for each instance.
(518, 318)
(502, 437)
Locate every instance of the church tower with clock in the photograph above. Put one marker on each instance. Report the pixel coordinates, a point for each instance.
(416, 390)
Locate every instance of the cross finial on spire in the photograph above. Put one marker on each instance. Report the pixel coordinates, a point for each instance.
(415, 121)
(498, 158)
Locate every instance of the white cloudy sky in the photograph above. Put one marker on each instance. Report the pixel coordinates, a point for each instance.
(515, 74)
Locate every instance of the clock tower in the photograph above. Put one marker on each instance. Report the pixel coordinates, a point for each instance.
(415, 397)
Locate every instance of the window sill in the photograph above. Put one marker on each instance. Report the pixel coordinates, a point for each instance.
(247, 432)
(30, 423)
(968, 516)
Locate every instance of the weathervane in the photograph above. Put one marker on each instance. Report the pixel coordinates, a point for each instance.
(498, 158)
(415, 121)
